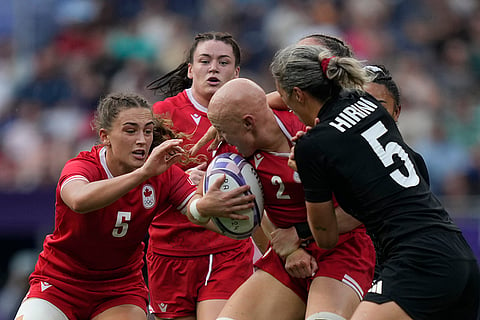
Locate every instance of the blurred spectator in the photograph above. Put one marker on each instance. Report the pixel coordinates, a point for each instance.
(48, 84)
(11, 294)
(446, 161)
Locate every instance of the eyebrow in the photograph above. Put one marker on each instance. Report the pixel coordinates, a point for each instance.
(136, 124)
(209, 56)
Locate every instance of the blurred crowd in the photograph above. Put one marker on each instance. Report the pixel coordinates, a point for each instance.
(57, 57)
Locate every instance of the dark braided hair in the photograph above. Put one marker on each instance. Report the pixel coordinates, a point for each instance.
(334, 45)
(382, 76)
(177, 80)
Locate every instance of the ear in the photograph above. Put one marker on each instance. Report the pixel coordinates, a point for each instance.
(396, 113)
(248, 122)
(189, 73)
(237, 72)
(104, 137)
(298, 94)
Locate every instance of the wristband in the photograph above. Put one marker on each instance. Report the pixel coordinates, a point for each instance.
(196, 214)
(303, 230)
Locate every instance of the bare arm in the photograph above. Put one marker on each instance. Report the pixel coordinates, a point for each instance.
(283, 241)
(275, 101)
(210, 135)
(323, 223)
(345, 221)
(82, 196)
(261, 238)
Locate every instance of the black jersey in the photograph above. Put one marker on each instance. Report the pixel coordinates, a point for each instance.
(357, 153)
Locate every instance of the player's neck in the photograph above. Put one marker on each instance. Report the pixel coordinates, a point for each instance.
(275, 140)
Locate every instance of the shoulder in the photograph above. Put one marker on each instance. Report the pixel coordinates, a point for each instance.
(86, 164)
(91, 156)
(288, 121)
(170, 103)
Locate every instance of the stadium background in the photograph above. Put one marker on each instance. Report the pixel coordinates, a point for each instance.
(57, 57)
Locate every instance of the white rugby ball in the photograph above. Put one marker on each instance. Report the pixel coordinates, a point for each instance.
(238, 172)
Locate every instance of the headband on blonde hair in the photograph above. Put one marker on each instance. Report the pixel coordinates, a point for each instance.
(325, 63)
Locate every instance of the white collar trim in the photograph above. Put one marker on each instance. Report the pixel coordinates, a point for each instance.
(103, 160)
(195, 103)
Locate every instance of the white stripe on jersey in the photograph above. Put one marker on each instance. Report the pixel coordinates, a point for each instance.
(72, 178)
(353, 284)
(183, 206)
(283, 128)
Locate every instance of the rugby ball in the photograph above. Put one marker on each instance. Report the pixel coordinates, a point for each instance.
(238, 172)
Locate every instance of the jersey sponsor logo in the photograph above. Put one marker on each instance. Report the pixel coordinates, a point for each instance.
(352, 114)
(377, 287)
(257, 159)
(148, 196)
(163, 307)
(44, 285)
(196, 118)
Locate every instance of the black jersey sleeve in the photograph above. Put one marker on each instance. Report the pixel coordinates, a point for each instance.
(313, 170)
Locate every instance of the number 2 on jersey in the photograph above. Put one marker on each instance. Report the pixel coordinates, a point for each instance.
(121, 226)
(386, 155)
(276, 180)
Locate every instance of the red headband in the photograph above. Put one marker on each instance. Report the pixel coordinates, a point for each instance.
(325, 63)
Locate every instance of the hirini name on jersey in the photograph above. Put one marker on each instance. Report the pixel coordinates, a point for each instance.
(352, 114)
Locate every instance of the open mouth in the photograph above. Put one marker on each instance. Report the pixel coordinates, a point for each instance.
(139, 154)
(213, 81)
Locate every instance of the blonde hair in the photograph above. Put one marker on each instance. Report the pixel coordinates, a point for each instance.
(314, 69)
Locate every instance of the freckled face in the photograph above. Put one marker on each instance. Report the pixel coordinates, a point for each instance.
(213, 65)
(129, 140)
(380, 92)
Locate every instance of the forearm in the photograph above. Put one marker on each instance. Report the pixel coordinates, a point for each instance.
(284, 241)
(84, 197)
(323, 224)
(261, 239)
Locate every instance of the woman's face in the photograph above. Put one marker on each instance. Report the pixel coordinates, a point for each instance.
(212, 66)
(293, 103)
(129, 140)
(381, 93)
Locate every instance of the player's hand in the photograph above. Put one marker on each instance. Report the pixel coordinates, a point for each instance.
(300, 134)
(197, 173)
(162, 157)
(285, 241)
(300, 264)
(218, 203)
(291, 159)
(211, 134)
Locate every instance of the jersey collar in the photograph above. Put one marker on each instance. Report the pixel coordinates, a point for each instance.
(195, 103)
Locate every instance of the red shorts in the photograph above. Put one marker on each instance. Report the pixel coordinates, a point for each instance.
(178, 283)
(81, 300)
(352, 261)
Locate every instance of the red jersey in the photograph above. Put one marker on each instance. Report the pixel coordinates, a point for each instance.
(189, 117)
(106, 244)
(169, 234)
(284, 199)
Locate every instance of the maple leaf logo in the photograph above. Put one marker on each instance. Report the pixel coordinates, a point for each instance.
(147, 192)
(148, 196)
